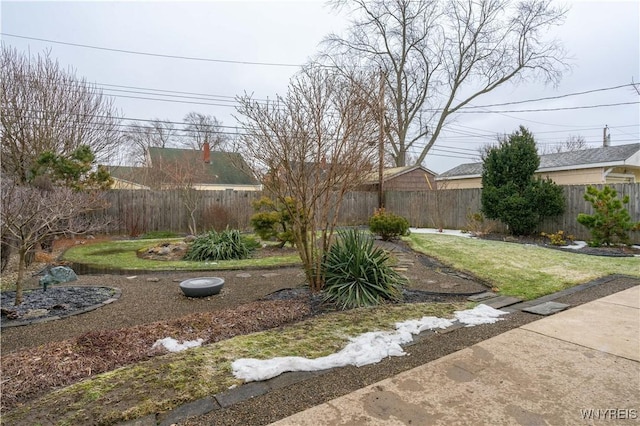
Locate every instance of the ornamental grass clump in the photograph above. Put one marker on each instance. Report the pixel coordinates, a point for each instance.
(226, 245)
(357, 274)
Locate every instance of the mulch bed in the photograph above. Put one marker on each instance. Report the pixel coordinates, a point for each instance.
(33, 372)
(608, 251)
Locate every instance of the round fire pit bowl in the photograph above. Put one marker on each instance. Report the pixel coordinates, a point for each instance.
(202, 287)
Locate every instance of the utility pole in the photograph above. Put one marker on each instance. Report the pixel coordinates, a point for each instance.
(606, 139)
(381, 144)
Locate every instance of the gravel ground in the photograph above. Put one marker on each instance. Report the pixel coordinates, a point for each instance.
(149, 298)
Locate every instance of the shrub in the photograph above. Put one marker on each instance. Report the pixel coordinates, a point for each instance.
(478, 225)
(218, 218)
(559, 238)
(510, 192)
(611, 221)
(273, 220)
(388, 225)
(358, 274)
(251, 242)
(226, 245)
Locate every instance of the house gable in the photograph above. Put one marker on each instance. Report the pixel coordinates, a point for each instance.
(168, 167)
(410, 178)
(125, 177)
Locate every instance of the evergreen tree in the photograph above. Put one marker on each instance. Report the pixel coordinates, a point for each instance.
(510, 192)
(76, 170)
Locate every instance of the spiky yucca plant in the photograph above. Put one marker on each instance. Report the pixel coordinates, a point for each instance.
(358, 274)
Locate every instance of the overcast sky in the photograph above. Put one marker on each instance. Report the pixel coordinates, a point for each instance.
(603, 38)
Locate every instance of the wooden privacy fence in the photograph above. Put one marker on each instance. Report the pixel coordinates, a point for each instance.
(450, 209)
(138, 211)
(135, 212)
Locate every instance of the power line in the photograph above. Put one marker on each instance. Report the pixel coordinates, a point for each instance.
(549, 109)
(462, 110)
(233, 130)
(170, 93)
(163, 90)
(433, 110)
(159, 55)
(549, 97)
(209, 98)
(172, 100)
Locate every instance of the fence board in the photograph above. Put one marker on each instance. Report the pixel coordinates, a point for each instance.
(139, 211)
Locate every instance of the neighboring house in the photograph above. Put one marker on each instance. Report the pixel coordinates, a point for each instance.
(125, 177)
(168, 168)
(410, 178)
(608, 164)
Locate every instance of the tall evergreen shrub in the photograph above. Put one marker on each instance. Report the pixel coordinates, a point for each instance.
(510, 191)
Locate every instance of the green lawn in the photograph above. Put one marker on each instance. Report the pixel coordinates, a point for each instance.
(519, 270)
(118, 255)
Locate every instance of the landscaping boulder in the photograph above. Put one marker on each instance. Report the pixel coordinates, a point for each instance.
(57, 275)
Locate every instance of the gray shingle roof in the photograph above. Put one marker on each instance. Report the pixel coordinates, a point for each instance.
(393, 172)
(561, 160)
(136, 175)
(588, 156)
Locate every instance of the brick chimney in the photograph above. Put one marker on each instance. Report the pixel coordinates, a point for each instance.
(206, 153)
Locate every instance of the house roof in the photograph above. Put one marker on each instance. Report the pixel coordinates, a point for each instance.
(133, 175)
(393, 172)
(225, 168)
(608, 156)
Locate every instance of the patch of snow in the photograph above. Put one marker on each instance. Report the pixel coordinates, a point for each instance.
(481, 314)
(577, 245)
(172, 345)
(453, 232)
(426, 323)
(368, 348)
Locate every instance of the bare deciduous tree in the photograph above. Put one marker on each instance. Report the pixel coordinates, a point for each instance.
(47, 108)
(183, 174)
(573, 143)
(200, 129)
(30, 215)
(314, 144)
(437, 56)
(139, 137)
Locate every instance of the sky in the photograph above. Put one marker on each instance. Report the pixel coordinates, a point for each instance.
(602, 38)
